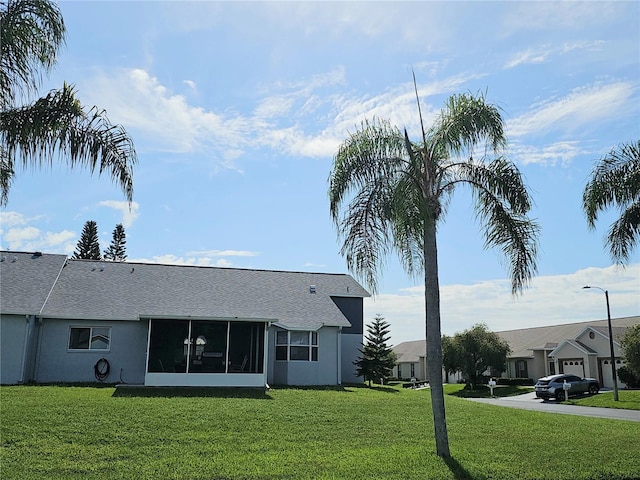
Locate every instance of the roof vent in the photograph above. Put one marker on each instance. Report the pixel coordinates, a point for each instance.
(37, 254)
(312, 289)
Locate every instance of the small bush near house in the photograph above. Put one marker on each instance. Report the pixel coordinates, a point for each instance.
(629, 378)
(515, 381)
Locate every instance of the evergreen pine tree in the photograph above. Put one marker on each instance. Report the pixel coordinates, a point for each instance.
(117, 250)
(377, 360)
(88, 246)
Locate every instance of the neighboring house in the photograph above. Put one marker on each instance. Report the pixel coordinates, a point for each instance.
(579, 348)
(411, 363)
(169, 325)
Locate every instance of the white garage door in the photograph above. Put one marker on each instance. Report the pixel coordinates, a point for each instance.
(574, 367)
(607, 375)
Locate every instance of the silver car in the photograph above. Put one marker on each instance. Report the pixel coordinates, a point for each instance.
(553, 386)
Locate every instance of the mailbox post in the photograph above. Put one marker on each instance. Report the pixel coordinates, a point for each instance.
(566, 386)
(492, 383)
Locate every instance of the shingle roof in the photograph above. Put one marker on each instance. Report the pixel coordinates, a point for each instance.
(617, 332)
(410, 352)
(102, 290)
(523, 341)
(26, 280)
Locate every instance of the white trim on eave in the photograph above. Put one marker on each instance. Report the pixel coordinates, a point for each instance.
(205, 317)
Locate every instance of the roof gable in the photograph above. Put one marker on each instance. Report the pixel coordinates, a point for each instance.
(581, 347)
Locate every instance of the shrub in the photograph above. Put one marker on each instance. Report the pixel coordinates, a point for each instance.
(627, 376)
(513, 382)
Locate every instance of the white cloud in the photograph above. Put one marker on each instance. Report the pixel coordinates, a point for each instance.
(164, 121)
(141, 103)
(591, 46)
(550, 300)
(559, 153)
(17, 237)
(544, 53)
(528, 56)
(223, 253)
(170, 259)
(22, 236)
(128, 210)
(587, 105)
(11, 219)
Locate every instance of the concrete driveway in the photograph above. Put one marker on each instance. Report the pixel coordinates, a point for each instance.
(528, 401)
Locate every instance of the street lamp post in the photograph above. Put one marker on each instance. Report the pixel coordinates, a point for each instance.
(613, 360)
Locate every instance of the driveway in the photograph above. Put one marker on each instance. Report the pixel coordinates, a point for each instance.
(528, 401)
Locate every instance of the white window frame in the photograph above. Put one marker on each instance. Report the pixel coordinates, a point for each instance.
(311, 345)
(91, 336)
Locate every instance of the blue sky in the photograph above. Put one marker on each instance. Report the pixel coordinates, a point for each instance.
(237, 108)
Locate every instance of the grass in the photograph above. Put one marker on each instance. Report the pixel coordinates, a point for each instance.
(628, 399)
(352, 433)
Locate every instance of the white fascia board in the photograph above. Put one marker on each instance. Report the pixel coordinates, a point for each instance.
(210, 318)
(90, 319)
(301, 329)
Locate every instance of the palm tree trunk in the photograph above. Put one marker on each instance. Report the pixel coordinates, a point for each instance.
(434, 338)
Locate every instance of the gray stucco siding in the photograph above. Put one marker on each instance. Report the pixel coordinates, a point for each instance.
(351, 346)
(295, 372)
(13, 334)
(126, 355)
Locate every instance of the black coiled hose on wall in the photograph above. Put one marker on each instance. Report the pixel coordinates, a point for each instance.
(101, 369)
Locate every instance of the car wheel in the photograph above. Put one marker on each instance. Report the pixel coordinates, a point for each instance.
(560, 396)
(593, 389)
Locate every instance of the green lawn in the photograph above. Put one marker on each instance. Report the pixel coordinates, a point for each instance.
(627, 399)
(50, 432)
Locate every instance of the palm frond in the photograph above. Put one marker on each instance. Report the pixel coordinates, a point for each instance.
(407, 225)
(465, 122)
(57, 125)
(365, 227)
(502, 204)
(377, 145)
(366, 169)
(624, 233)
(615, 182)
(31, 35)
(6, 176)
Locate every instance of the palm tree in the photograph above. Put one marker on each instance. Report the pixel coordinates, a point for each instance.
(31, 35)
(615, 180)
(394, 194)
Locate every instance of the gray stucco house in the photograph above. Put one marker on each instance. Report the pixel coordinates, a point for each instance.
(66, 320)
(580, 348)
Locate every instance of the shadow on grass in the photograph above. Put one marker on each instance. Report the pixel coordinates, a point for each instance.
(172, 392)
(459, 472)
(482, 391)
(374, 387)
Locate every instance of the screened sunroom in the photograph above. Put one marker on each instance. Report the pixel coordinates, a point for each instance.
(203, 352)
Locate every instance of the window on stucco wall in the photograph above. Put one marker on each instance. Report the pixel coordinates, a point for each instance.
(90, 338)
(297, 346)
